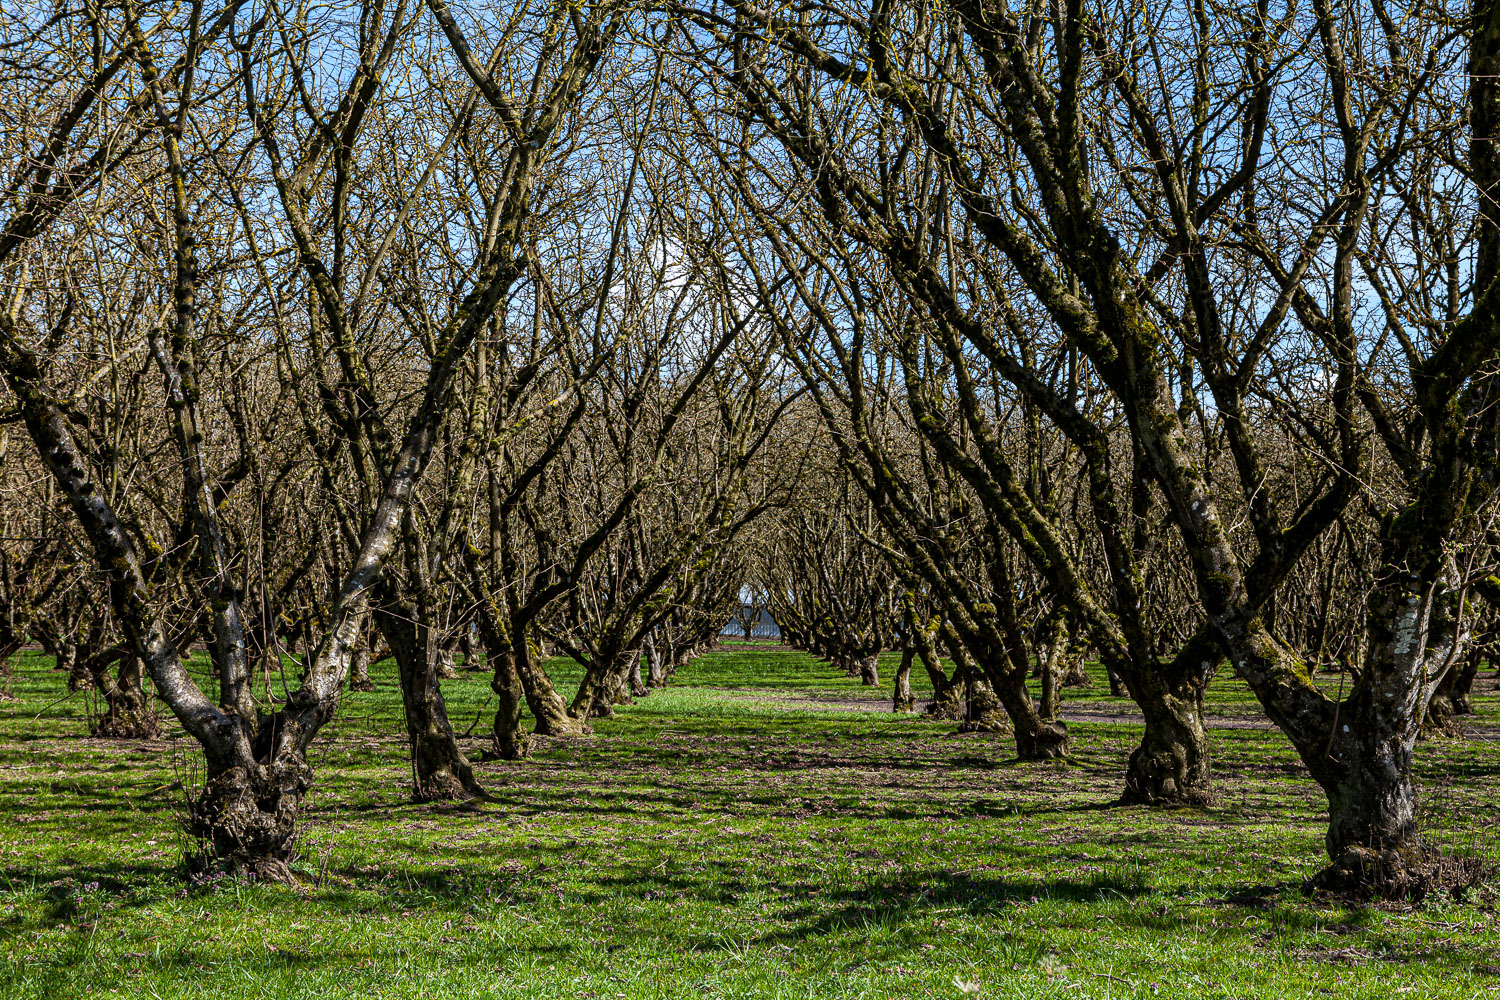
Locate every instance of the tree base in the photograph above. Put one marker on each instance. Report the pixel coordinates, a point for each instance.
(362, 685)
(943, 711)
(442, 786)
(513, 746)
(561, 724)
(1050, 742)
(246, 818)
(1408, 873)
(142, 725)
(993, 721)
(1076, 677)
(1441, 721)
(1166, 777)
(1164, 791)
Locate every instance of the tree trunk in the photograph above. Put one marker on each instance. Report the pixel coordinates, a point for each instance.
(547, 706)
(439, 768)
(359, 669)
(1452, 700)
(445, 667)
(65, 659)
(1049, 663)
(246, 815)
(127, 711)
(1171, 766)
(1074, 675)
(655, 667)
(1372, 814)
(869, 671)
(590, 698)
(511, 740)
(947, 693)
(902, 700)
(1036, 738)
(79, 678)
(1462, 686)
(638, 686)
(1117, 685)
(470, 650)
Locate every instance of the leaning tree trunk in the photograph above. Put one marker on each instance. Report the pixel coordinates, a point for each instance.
(548, 708)
(902, 700)
(1036, 738)
(591, 700)
(439, 768)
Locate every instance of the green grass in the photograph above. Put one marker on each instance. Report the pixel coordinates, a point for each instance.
(763, 828)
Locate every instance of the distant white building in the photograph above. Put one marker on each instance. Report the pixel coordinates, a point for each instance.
(759, 620)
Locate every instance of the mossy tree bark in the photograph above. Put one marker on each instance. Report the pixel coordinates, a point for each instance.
(439, 768)
(902, 699)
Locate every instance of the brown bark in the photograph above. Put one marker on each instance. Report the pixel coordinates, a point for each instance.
(1171, 766)
(439, 768)
(511, 739)
(656, 675)
(547, 706)
(127, 712)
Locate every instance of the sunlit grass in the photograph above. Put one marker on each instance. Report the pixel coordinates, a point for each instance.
(763, 828)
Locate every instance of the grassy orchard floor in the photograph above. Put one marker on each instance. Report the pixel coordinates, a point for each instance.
(763, 828)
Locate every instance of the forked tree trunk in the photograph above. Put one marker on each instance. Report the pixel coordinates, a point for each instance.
(1005, 680)
(1366, 767)
(947, 693)
(902, 700)
(1171, 766)
(439, 768)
